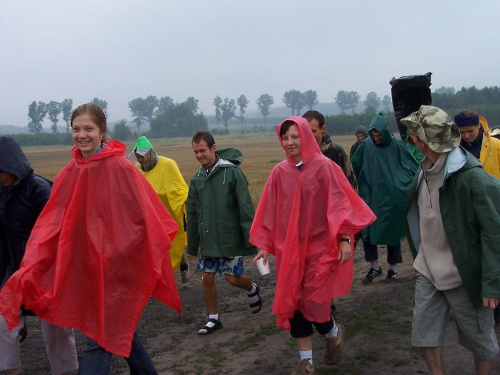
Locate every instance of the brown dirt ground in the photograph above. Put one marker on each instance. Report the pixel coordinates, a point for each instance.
(377, 319)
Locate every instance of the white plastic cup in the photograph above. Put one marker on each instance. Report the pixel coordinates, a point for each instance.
(264, 269)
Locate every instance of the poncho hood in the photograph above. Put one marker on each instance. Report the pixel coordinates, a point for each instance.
(380, 123)
(309, 146)
(361, 130)
(142, 143)
(231, 154)
(12, 159)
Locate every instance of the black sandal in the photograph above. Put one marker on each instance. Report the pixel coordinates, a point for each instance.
(256, 306)
(208, 330)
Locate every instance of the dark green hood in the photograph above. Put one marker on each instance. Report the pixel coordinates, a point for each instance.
(233, 155)
(361, 130)
(380, 124)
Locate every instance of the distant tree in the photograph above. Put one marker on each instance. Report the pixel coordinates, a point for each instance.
(218, 113)
(227, 108)
(293, 99)
(121, 131)
(177, 120)
(101, 103)
(347, 100)
(54, 109)
(372, 102)
(143, 110)
(310, 98)
(243, 104)
(164, 103)
(136, 107)
(67, 108)
(192, 103)
(36, 112)
(301, 103)
(387, 103)
(264, 102)
(445, 90)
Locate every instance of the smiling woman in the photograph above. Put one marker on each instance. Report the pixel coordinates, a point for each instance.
(105, 237)
(290, 138)
(88, 124)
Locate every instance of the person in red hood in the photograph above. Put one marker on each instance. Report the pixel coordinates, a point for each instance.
(306, 217)
(98, 251)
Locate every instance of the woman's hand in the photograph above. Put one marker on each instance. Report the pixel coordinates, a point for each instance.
(345, 252)
(262, 254)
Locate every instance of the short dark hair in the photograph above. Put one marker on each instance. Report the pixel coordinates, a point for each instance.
(284, 128)
(203, 136)
(309, 115)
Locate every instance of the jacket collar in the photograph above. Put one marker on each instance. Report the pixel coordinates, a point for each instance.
(455, 161)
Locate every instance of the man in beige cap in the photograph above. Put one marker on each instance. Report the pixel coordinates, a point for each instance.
(454, 240)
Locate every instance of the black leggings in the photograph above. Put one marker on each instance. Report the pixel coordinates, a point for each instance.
(301, 327)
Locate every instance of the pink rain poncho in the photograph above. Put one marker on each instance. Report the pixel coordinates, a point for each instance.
(97, 253)
(300, 215)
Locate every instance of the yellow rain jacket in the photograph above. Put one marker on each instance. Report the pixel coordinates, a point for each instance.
(490, 151)
(170, 186)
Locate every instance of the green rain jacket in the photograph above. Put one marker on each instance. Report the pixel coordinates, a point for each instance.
(469, 201)
(219, 209)
(384, 173)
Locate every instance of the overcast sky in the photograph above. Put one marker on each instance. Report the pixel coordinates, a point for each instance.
(121, 50)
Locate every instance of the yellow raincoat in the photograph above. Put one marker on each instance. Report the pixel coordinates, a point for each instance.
(490, 151)
(170, 186)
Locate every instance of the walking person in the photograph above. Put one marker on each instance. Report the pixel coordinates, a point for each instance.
(23, 196)
(384, 167)
(219, 216)
(98, 251)
(453, 221)
(307, 217)
(164, 176)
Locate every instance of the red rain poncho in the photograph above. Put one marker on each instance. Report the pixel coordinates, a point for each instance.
(300, 214)
(97, 253)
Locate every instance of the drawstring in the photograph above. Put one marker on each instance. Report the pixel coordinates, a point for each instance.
(224, 180)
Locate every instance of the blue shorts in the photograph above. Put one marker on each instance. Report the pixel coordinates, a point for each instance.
(222, 266)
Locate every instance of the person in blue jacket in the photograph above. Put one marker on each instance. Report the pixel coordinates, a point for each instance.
(23, 195)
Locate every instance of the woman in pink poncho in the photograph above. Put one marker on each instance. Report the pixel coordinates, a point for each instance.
(306, 217)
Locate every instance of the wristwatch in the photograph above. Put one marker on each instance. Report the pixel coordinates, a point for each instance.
(343, 239)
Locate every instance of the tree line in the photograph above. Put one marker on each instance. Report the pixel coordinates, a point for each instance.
(296, 101)
(37, 111)
(169, 119)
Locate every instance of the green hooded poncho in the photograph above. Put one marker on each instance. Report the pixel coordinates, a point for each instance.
(384, 172)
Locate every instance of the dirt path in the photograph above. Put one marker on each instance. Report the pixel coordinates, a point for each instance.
(377, 319)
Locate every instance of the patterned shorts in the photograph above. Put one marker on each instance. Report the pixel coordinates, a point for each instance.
(222, 266)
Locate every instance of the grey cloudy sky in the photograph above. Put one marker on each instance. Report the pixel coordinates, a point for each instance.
(121, 50)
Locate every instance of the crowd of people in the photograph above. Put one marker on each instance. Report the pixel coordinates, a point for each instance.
(87, 251)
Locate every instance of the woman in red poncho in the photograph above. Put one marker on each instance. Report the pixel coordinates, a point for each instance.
(98, 251)
(306, 217)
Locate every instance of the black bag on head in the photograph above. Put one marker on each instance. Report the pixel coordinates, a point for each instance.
(408, 94)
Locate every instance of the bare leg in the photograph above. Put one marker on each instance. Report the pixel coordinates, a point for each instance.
(434, 358)
(15, 371)
(483, 366)
(304, 343)
(242, 282)
(210, 292)
(184, 264)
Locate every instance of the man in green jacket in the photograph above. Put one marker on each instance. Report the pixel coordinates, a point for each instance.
(453, 228)
(219, 216)
(384, 168)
